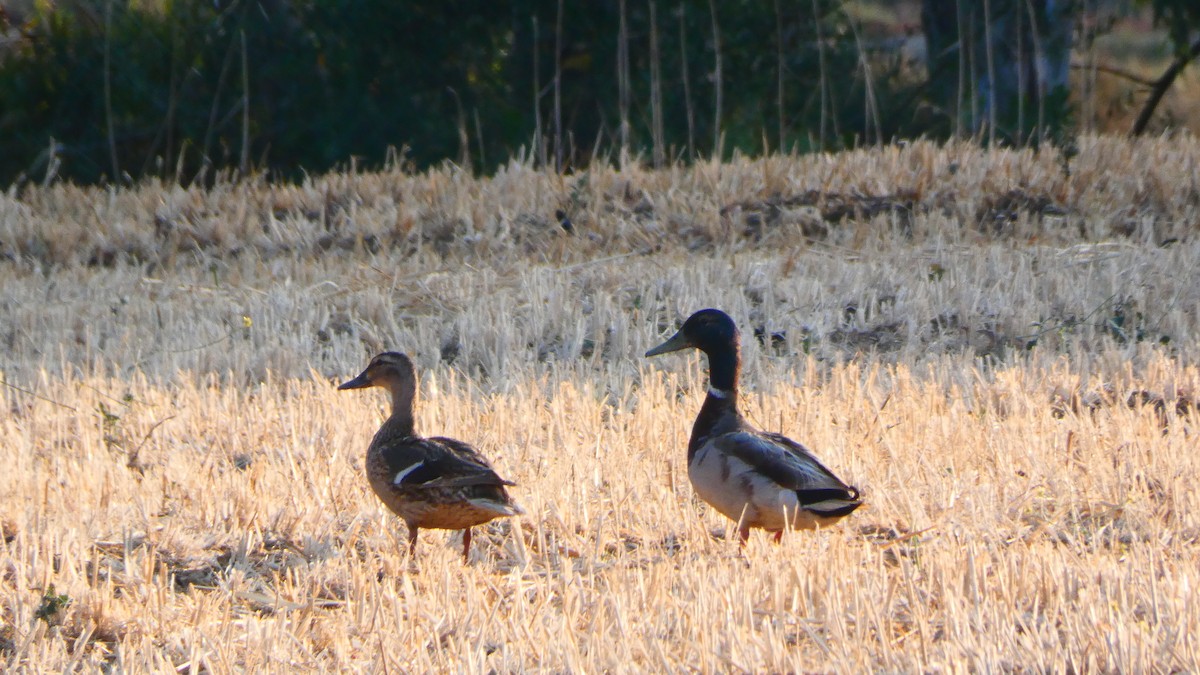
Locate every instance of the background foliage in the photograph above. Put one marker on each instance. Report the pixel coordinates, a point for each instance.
(91, 90)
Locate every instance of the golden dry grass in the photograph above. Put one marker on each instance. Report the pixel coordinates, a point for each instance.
(955, 331)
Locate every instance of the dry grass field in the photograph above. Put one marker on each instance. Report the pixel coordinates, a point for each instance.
(999, 348)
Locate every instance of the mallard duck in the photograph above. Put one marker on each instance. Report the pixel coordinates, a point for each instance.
(756, 478)
(433, 482)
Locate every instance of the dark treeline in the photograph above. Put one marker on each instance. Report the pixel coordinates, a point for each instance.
(94, 90)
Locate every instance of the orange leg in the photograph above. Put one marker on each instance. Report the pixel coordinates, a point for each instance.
(412, 541)
(743, 534)
(467, 545)
(778, 536)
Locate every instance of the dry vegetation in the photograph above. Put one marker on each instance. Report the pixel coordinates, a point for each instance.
(998, 348)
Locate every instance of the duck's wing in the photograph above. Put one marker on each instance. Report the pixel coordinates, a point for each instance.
(438, 463)
(467, 455)
(789, 465)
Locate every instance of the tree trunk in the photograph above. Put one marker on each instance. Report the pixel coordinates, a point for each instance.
(1001, 62)
(1160, 87)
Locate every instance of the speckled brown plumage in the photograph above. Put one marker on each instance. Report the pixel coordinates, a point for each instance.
(437, 482)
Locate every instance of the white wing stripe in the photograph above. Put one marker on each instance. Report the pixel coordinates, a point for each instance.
(404, 474)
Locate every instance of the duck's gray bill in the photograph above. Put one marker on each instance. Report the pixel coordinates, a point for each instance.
(677, 342)
(357, 383)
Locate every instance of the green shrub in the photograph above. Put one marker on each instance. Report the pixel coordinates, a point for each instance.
(188, 88)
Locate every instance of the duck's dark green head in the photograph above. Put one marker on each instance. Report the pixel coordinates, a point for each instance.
(709, 330)
(390, 370)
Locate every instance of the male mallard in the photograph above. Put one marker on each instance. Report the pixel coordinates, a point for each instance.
(757, 479)
(429, 482)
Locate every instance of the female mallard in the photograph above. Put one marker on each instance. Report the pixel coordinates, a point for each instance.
(429, 482)
(757, 479)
